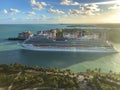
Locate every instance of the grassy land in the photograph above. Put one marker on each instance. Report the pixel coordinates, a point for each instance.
(21, 77)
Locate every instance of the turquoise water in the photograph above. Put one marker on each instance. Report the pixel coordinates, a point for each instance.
(12, 52)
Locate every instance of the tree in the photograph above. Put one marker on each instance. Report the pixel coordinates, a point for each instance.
(59, 34)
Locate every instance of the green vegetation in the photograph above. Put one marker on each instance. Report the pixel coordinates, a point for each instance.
(15, 39)
(114, 36)
(98, 80)
(22, 77)
(59, 35)
(19, 77)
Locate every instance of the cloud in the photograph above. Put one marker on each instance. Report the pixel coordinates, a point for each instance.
(86, 9)
(38, 20)
(10, 11)
(43, 16)
(91, 9)
(55, 11)
(37, 5)
(31, 13)
(13, 11)
(106, 2)
(5, 11)
(75, 12)
(7, 20)
(69, 2)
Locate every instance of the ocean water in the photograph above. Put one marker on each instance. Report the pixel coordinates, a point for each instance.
(12, 52)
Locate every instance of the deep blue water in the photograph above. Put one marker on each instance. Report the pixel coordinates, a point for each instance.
(12, 52)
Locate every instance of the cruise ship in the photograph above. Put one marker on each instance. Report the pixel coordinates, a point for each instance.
(43, 43)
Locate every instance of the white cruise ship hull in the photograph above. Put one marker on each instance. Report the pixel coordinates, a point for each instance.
(68, 49)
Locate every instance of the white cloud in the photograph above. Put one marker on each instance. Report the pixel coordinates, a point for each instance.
(75, 12)
(37, 5)
(91, 9)
(13, 19)
(33, 2)
(31, 13)
(10, 11)
(7, 20)
(39, 20)
(107, 2)
(5, 11)
(55, 11)
(86, 9)
(13, 11)
(43, 16)
(69, 2)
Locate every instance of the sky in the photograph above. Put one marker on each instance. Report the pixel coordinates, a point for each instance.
(59, 11)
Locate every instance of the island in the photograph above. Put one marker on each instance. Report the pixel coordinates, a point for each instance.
(69, 40)
(62, 33)
(23, 77)
(22, 36)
